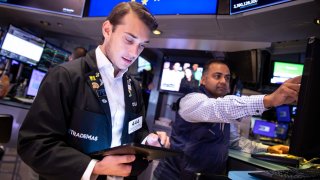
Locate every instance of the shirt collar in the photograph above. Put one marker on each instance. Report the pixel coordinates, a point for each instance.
(104, 63)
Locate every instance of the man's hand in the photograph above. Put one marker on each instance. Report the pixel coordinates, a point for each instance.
(154, 138)
(278, 149)
(114, 166)
(287, 93)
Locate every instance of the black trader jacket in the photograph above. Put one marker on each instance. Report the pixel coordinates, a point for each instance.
(70, 118)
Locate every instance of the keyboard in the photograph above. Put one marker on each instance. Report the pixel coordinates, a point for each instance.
(293, 173)
(282, 159)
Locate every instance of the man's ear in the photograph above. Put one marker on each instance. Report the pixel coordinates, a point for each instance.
(106, 29)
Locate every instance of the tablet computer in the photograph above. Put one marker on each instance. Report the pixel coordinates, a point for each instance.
(146, 151)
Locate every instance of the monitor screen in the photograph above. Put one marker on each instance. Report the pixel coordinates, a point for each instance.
(285, 70)
(143, 64)
(157, 7)
(282, 131)
(35, 81)
(264, 128)
(238, 6)
(283, 113)
(181, 77)
(305, 134)
(52, 56)
(22, 46)
(66, 7)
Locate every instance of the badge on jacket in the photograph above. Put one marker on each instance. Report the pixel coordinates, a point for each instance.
(135, 125)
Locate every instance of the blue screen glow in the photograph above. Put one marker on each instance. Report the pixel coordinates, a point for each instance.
(158, 7)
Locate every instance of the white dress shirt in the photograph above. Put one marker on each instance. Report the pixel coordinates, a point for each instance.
(243, 144)
(114, 90)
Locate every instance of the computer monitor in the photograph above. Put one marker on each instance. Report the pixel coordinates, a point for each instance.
(282, 131)
(283, 113)
(143, 64)
(285, 70)
(35, 81)
(264, 128)
(306, 134)
(22, 46)
(52, 56)
(65, 7)
(173, 77)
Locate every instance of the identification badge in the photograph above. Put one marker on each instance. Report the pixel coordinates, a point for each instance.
(135, 125)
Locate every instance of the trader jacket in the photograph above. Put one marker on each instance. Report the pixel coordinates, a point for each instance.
(70, 118)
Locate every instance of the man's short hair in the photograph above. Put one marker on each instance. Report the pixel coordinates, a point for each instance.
(78, 52)
(120, 10)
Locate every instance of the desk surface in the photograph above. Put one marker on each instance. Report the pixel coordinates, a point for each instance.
(8, 102)
(246, 157)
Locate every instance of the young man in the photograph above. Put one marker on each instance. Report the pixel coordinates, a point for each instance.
(202, 126)
(89, 105)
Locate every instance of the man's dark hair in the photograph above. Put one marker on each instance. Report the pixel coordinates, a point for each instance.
(78, 52)
(213, 61)
(119, 11)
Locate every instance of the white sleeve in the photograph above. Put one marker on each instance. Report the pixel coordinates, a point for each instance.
(87, 175)
(197, 107)
(243, 144)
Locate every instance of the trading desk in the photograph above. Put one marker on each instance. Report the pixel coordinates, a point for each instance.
(240, 164)
(240, 161)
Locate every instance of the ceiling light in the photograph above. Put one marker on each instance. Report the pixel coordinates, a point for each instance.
(317, 21)
(156, 32)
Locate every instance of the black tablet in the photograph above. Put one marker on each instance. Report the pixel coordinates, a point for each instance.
(146, 151)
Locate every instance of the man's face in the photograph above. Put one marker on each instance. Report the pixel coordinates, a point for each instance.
(217, 80)
(124, 44)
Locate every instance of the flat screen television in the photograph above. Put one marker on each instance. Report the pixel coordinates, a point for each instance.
(284, 70)
(22, 46)
(305, 135)
(35, 81)
(65, 7)
(183, 77)
(52, 56)
(157, 7)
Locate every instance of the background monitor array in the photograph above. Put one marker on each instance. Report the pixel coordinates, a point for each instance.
(52, 56)
(25, 47)
(22, 46)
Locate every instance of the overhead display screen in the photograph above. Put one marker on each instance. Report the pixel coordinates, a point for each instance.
(238, 6)
(66, 7)
(98, 8)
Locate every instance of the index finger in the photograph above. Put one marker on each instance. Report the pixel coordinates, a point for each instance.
(296, 80)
